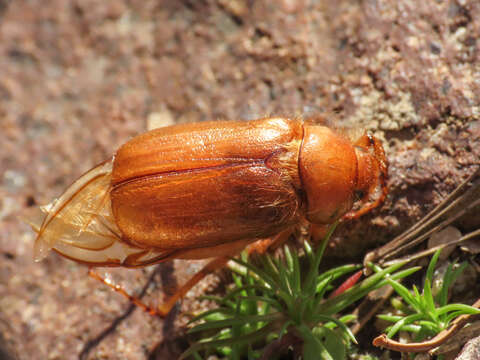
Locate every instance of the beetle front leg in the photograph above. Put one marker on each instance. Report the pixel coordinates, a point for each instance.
(318, 232)
(163, 309)
(133, 299)
(262, 246)
(210, 267)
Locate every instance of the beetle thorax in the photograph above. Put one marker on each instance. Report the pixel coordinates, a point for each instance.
(328, 172)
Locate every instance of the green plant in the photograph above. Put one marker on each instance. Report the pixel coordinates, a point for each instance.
(281, 300)
(426, 314)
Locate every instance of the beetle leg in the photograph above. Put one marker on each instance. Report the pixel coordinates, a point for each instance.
(263, 245)
(258, 247)
(318, 231)
(163, 309)
(210, 267)
(133, 299)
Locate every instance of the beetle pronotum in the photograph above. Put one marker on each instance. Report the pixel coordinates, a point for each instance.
(209, 189)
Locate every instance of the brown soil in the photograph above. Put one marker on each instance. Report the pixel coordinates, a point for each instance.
(78, 78)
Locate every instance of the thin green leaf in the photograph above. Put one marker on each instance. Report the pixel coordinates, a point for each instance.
(391, 318)
(403, 273)
(232, 294)
(271, 266)
(308, 250)
(322, 287)
(407, 320)
(197, 356)
(263, 275)
(338, 271)
(216, 299)
(418, 298)
(221, 311)
(332, 342)
(284, 281)
(427, 295)
(240, 320)
(309, 284)
(284, 328)
(458, 271)
(337, 322)
(240, 340)
(412, 328)
(288, 258)
(430, 327)
(453, 315)
(404, 293)
(447, 281)
(432, 264)
(312, 348)
(400, 306)
(348, 318)
(237, 279)
(297, 274)
(466, 309)
(337, 304)
(264, 299)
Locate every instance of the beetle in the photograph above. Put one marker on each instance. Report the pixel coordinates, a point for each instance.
(209, 189)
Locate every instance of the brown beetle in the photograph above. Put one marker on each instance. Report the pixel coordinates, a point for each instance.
(209, 189)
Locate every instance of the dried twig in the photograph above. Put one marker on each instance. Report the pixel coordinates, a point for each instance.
(457, 324)
(465, 197)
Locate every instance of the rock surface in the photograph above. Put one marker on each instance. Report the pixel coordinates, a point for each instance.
(78, 78)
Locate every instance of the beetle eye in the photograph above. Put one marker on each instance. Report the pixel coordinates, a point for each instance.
(358, 194)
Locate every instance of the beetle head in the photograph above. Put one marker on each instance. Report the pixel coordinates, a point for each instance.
(371, 185)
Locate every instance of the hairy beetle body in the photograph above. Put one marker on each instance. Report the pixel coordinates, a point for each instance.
(209, 189)
(195, 188)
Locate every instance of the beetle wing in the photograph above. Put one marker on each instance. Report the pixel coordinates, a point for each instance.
(205, 145)
(80, 226)
(71, 215)
(204, 207)
(177, 191)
